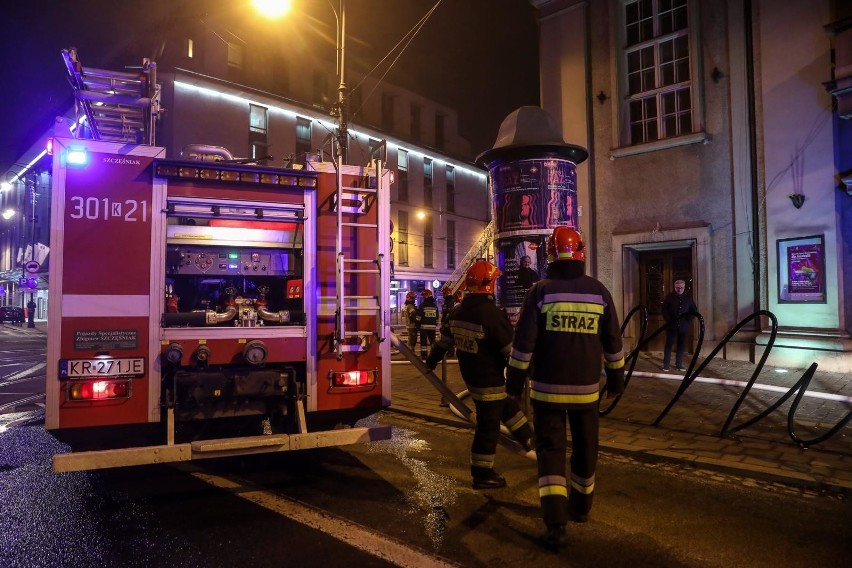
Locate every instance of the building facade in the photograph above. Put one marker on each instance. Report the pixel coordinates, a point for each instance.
(717, 156)
(228, 81)
(25, 233)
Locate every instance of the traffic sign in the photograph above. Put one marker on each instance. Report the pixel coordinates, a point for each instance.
(32, 266)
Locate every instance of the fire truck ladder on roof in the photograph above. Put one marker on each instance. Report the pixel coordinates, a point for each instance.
(480, 249)
(359, 288)
(118, 106)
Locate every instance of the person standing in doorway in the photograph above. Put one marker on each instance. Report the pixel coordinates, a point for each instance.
(678, 308)
(567, 326)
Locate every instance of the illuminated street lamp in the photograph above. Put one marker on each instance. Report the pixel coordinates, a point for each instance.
(8, 214)
(273, 8)
(278, 8)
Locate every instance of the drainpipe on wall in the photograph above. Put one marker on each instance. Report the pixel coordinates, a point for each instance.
(752, 142)
(590, 138)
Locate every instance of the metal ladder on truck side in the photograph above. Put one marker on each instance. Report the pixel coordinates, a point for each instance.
(370, 293)
(118, 106)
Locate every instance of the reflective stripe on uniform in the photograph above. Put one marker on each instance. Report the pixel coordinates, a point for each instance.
(565, 394)
(487, 393)
(614, 364)
(585, 485)
(468, 328)
(520, 359)
(482, 460)
(552, 485)
(516, 421)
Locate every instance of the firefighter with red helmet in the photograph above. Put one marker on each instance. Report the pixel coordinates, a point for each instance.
(409, 314)
(482, 336)
(567, 324)
(427, 320)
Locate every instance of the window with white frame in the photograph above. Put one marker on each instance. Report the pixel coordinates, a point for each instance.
(303, 137)
(428, 243)
(451, 244)
(258, 117)
(657, 71)
(236, 55)
(451, 189)
(402, 237)
(402, 179)
(427, 182)
(258, 131)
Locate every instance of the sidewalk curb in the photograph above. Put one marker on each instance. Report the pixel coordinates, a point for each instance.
(753, 471)
(652, 455)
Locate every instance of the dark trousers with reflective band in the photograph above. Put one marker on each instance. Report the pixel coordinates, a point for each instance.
(551, 448)
(491, 409)
(427, 338)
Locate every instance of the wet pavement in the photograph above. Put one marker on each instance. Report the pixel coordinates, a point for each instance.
(690, 432)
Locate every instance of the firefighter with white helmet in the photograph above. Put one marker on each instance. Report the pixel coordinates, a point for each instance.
(409, 314)
(482, 336)
(567, 324)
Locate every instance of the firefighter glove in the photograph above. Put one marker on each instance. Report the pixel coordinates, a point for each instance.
(434, 357)
(614, 382)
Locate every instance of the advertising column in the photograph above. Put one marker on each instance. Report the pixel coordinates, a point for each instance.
(533, 178)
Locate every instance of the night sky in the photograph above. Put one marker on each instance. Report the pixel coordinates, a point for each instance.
(477, 56)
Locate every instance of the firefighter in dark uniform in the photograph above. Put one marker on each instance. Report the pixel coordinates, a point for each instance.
(482, 335)
(567, 324)
(409, 312)
(427, 320)
(449, 302)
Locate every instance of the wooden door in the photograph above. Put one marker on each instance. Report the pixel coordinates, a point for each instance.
(658, 271)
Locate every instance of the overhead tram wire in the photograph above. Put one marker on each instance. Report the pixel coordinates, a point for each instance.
(407, 39)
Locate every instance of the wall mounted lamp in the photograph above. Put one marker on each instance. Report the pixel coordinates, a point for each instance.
(798, 200)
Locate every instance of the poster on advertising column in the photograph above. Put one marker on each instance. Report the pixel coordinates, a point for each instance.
(801, 270)
(534, 194)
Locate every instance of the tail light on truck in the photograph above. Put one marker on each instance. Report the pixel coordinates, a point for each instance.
(97, 390)
(349, 379)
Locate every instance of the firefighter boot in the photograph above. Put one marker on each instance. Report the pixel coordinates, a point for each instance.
(554, 538)
(487, 479)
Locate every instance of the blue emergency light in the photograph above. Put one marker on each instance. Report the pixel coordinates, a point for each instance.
(77, 156)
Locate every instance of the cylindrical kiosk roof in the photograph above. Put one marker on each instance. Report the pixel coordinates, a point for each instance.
(530, 132)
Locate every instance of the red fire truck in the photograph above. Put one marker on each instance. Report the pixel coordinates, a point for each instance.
(203, 308)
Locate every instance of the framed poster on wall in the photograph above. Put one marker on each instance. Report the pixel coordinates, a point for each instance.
(801, 270)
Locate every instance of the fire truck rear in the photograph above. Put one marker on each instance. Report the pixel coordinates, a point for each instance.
(207, 308)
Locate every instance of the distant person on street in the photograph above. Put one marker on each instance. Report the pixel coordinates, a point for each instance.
(31, 307)
(482, 336)
(409, 314)
(526, 276)
(427, 320)
(566, 326)
(676, 304)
